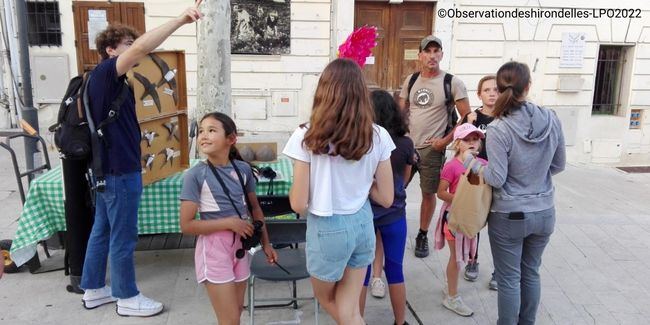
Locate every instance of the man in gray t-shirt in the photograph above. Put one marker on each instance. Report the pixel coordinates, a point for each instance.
(427, 124)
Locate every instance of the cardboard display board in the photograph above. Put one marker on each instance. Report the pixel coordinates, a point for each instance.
(164, 147)
(159, 87)
(159, 84)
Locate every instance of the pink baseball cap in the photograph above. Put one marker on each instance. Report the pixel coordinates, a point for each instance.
(465, 129)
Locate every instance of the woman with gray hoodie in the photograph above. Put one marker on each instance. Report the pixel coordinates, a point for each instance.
(526, 147)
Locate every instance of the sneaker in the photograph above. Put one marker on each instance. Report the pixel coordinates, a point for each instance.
(421, 245)
(457, 305)
(493, 285)
(471, 271)
(94, 298)
(405, 323)
(138, 306)
(377, 288)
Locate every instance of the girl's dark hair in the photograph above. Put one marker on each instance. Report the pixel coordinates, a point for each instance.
(230, 129)
(112, 36)
(387, 114)
(513, 78)
(342, 117)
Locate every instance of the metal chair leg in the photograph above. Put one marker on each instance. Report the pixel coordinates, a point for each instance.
(295, 295)
(251, 299)
(315, 311)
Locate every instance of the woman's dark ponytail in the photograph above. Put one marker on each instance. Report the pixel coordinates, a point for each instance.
(513, 79)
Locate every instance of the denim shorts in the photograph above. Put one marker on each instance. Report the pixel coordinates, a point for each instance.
(339, 241)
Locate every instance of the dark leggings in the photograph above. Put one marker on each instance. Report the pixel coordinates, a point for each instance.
(393, 236)
(79, 214)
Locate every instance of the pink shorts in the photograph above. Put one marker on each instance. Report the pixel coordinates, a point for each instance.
(215, 261)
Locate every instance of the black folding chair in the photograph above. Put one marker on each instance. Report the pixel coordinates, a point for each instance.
(292, 265)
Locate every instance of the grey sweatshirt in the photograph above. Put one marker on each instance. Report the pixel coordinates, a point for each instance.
(524, 148)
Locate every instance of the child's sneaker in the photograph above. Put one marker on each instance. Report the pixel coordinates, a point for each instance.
(457, 305)
(94, 298)
(471, 271)
(493, 285)
(377, 288)
(138, 306)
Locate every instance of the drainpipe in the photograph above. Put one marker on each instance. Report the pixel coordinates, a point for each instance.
(29, 113)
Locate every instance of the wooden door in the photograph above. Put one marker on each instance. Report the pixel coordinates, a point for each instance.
(375, 14)
(400, 27)
(128, 13)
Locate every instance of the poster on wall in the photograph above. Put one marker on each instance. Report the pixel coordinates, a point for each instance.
(97, 22)
(572, 50)
(260, 27)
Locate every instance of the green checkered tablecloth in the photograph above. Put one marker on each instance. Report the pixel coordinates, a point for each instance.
(43, 213)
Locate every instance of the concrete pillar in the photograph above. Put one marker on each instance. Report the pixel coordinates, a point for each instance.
(214, 87)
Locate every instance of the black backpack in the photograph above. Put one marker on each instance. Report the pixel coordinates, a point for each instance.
(74, 127)
(75, 135)
(452, 115)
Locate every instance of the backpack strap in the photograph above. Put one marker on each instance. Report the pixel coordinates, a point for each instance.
(449, 100)
(452, 117)
(414, 77)
(113, 112)
(95, 170)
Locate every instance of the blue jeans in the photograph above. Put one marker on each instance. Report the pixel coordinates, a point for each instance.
(517, 247)
(114, 235)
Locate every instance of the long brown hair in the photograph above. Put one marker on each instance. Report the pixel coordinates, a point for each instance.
(513, 78)
(342, 116)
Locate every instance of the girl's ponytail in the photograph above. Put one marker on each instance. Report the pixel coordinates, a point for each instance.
(234, 154)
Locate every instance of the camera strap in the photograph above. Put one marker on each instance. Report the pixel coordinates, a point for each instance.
(225, 188)
(241, 182)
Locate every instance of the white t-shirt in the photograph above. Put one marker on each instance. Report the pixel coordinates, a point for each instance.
(337, 185)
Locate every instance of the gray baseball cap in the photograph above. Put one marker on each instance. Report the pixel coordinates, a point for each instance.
(428, 40)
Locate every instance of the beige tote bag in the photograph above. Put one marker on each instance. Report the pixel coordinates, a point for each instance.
(471, 204)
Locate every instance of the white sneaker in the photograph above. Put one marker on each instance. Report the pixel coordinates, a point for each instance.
(94, 298)
(138, 306)
(457, 305)
(377, 288)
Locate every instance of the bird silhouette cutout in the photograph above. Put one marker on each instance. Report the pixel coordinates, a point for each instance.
(148, 160)
(149, 136)
(172, 128)
(149, 90)
(169, 156)
(168, 75)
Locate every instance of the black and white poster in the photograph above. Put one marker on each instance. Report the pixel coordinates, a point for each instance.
(260, 27)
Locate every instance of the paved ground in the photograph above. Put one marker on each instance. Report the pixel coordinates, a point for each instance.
(595, 269)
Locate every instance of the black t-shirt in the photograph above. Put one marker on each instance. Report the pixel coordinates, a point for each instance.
(402, 155)
(481, 123)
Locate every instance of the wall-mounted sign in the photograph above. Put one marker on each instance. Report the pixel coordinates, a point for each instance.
(410, 54)
(97, 22)
(572, 50)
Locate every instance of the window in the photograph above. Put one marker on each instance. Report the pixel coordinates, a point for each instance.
(44, 23)
(609, 73)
